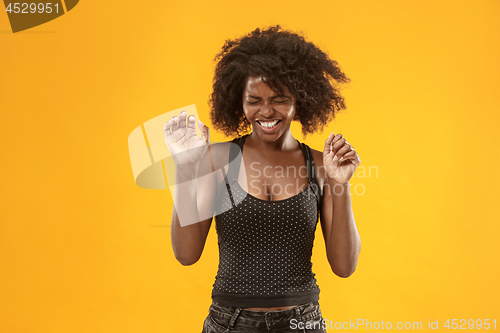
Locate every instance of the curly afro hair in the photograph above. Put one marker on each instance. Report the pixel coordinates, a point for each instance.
(282, 56)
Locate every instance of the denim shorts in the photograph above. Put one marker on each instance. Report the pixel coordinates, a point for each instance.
(303, 318)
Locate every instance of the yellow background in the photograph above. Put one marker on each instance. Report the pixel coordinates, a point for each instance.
(84, 249)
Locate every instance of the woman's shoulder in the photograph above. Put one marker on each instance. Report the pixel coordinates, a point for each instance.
(220, 152)
(318, 156)
(222, 148)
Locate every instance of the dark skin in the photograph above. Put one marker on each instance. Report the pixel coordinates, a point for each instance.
(269, 148)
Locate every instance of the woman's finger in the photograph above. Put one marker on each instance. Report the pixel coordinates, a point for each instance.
(175, 125)
(329, 139)
(167, 128)
(348, 155)
(182, 119)
(328, 144)
(341, 151)
(337, 138)
(338, 144)
(352, 157)
(191, 123)
(205, 132)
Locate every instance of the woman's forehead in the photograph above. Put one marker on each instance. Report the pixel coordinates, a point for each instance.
(255, 84)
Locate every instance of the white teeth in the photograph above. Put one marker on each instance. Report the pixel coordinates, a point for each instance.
(268, 124)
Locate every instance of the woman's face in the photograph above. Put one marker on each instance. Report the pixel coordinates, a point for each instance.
(269, 113)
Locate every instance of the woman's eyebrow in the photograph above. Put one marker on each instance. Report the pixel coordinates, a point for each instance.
(272, 97)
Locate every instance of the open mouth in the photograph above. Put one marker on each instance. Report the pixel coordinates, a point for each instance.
(269, 125)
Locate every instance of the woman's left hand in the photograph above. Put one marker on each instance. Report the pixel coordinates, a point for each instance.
(340, 159)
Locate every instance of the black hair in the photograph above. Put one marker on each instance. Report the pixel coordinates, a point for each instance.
(281, 56)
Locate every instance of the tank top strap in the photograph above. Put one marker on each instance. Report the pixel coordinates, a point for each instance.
(311, 170)
(235, 157)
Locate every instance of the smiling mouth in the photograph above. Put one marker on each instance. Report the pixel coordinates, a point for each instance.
(269, 124)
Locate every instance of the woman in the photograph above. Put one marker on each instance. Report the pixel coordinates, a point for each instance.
(265, 189)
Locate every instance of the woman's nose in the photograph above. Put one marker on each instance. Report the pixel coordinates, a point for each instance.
(266, 110)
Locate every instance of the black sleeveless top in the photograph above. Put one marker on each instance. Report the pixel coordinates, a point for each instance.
(265, 247)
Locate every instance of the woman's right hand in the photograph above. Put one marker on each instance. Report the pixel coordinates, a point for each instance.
(184, 144)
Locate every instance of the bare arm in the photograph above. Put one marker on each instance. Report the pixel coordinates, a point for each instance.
(188, 240)
(194, 189)
(342, 240)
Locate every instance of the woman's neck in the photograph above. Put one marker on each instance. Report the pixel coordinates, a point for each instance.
(285, 142)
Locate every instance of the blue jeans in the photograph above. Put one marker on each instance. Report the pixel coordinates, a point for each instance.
(304, 318)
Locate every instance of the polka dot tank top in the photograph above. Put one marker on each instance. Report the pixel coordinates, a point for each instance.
(265, 247)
